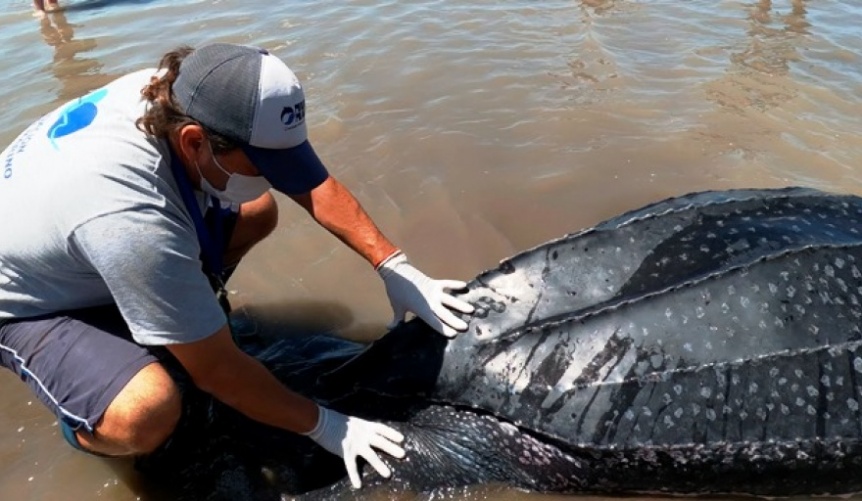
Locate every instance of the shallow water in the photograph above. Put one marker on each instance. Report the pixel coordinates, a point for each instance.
(469, 130)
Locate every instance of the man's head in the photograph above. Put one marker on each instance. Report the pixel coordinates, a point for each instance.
(244, 97)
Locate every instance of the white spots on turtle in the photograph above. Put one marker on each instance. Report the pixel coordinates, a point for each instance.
(666, 398)
(710, 235)
(677, 388)
(629, 415)
(770, 407)
(773, 289)
(842, 284)
(706, 392)
(704, 248)
(664, 261)
(811, 410)
(799, 373)
(687, 347)
(853, 404)
(699, 312)
(753, 387)
(799, 309)
(646, 411)
(743, 414)
(773, 372)
(731, 290)
(725, 308)
(645, 331)
(785, 276)
(784, 409)
(857, 365)
(668, 312)
(762, 325)
(710, 414)
(656, 359)
(829, 270)
(855, 272)
(684, 319)
(778, 322)
(782, 381)
(677, 228)
(708, 345)
(668, 421)
(726, 410)
(734, 379)
(695, 409)
(839, 263)
(813, 329)
(830, 396)
(730, 331)
(683, 257)
(794, 387)
(824, 380)
(761, 413)
(678, 412)
(744, 301)
(812, 391)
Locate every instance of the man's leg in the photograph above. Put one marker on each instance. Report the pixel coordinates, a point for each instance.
(140, 419)
(256, 220)
(114, 394)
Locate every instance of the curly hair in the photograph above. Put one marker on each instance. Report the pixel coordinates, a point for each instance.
(163, 114)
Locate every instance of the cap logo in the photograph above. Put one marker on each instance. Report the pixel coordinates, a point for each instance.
(291, 116)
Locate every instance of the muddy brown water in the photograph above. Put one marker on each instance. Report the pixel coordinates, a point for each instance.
(469, 130)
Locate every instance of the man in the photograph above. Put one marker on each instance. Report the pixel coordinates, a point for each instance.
(146, 200)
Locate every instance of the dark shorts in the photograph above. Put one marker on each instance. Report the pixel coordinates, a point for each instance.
(77, 362)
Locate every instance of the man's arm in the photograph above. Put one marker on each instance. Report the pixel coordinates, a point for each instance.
(219, 367)
(336, 209)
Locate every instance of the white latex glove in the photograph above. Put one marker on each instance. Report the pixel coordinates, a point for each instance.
(349, 437)
(411, 290)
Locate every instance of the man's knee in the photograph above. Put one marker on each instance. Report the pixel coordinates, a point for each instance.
(257, 220)
(260, 216)
(141, 417)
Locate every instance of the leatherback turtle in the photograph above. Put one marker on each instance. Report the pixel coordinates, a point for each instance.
(708, 343)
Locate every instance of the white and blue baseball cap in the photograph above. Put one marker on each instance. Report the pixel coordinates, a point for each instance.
(252, 98)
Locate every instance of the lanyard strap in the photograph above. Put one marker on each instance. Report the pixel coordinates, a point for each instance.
(211, 243)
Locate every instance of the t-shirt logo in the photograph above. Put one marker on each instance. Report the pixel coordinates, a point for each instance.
(76, 116)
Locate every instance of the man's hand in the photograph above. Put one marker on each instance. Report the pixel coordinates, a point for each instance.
(411, 290)
(350, 437)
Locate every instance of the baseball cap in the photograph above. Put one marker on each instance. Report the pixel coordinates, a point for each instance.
(251, 97)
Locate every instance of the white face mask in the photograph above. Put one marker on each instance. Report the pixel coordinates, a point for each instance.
(239, 188)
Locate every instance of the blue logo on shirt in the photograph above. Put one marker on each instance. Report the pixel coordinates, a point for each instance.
(76, 116)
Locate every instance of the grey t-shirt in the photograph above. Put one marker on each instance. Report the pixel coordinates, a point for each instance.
(90, 214)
